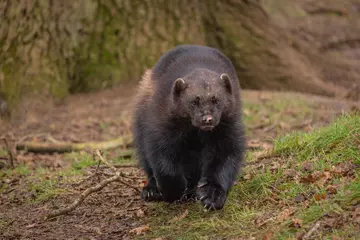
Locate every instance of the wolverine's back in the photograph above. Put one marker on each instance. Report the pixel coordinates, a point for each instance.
(183, 59)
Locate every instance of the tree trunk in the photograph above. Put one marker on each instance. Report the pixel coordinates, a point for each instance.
(52, 48)
(264, 55)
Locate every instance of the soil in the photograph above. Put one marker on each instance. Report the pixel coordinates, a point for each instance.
(117, 209)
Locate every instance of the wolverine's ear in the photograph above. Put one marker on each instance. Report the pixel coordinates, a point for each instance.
(179, 86)
(227, 82)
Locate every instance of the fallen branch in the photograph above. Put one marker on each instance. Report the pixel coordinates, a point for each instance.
(97, 152)
(96, 173)
(82, 197)
(312, 230)
(323, 10)
(10, 153)
(62, 147)
(46, 136)
(98, 187)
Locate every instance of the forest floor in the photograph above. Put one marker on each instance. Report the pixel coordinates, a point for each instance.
(271, 200)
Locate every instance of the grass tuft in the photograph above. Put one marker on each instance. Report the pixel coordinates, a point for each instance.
(292, 187)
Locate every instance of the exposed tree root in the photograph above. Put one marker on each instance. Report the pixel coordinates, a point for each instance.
(61, 147)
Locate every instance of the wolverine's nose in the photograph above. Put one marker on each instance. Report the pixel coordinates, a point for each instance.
(207, 119)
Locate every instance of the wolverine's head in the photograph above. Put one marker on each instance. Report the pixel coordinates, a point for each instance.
(203, 96)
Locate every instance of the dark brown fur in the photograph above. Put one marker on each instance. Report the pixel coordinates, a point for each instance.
(187, 126)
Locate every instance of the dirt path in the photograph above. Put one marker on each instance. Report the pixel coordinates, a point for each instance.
(117, 209)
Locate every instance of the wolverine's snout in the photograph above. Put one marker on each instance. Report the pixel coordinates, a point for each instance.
(207, 119)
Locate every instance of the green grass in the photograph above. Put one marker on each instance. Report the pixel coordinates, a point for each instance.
(3, 152)
(80, 160)
(338, 139)
(45, 184)
(276, 111)
(18, 171)
(268, 191)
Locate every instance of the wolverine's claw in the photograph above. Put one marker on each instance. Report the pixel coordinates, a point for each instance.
(202, 184)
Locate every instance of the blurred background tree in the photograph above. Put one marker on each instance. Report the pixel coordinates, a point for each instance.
(55, 48)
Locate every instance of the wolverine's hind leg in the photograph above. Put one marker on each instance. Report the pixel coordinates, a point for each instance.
(150, 191)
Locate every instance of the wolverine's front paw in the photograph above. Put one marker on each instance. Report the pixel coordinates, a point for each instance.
(151, 193)
(212, 196)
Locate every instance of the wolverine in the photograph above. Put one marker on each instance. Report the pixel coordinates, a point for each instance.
(187, 126)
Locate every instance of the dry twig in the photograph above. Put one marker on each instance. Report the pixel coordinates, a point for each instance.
(312, 230)
(97, 152)
(10, 153)
(82, 197)
(98, 187)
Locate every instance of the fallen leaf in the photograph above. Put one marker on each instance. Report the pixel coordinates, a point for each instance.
(324, 178)
(140, 230)
(333, 220)
(284, 125)
(319, 197)
(297, 223)
(274, 167)
(300, 235)
(246, 111)
(356, 215)
(331, 189)
(268, 235)
(300, 198)
(291, 173)
(140, 213)
(7, 180)
(336, 238)
(344, 168)
(180, 217)
(307, 167)
(263, 219)
(284, 215)
(308, 179)
(143, 183)
(31, 225)
(247, 176)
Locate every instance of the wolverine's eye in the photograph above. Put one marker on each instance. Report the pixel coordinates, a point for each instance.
(214, 100)
(196, 101)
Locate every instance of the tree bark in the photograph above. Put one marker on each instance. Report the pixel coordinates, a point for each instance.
(53, 48)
